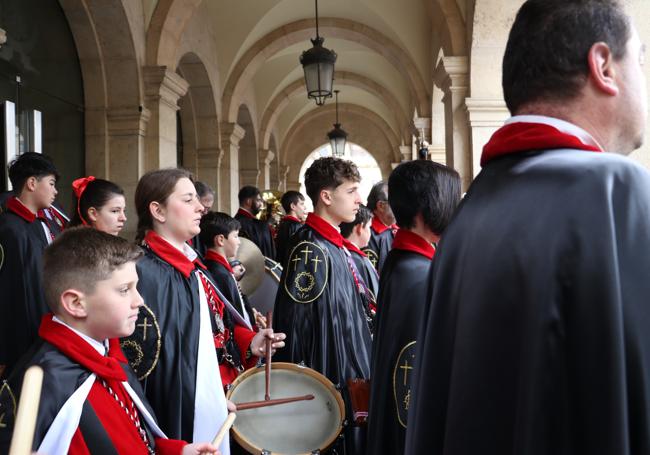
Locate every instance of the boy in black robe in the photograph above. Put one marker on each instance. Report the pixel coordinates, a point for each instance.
(25, 231)
(382, 228)
(91, 402)
(257, 231)
(423, 196)
(319, 305)
(293, 203)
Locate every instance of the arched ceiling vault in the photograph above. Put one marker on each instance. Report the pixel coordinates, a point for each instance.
(342, 78)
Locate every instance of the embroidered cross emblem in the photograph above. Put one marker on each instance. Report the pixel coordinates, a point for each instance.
(316, 261)
(307, 252)
(144, 326)
(406, 367)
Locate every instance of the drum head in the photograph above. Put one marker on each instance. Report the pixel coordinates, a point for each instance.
(293, 428)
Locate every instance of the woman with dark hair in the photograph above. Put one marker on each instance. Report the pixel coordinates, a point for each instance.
(100, 204)
(182, 380)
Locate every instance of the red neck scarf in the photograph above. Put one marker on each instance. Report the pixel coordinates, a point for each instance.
(379, 227)
(246, 213)
(76, 348)
(329, 232)
(212, 255)
(410, 241)
(353, 248)
(290, 218)
(525, 136)
(14, 205)
(170, 254)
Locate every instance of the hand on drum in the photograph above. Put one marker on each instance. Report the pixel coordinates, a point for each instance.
(199, 448)
(258, 344)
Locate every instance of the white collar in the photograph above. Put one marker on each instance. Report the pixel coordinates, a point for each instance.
(99, 347)
(560, 125)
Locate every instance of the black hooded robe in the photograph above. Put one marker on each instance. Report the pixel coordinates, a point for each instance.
(22, 302)
(536, 340)
(400, 304)
(257, 231)
(380, 244)
(288, 226)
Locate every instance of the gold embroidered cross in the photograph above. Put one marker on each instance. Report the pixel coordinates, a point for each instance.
(295, 261)
(406, 367)
(316, 261)
(144, 326)
(307, 252)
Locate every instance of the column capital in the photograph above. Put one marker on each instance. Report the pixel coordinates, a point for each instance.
(128, 121)
(232, 133)
(266, 156)
(487, 112)
(164, 85)
(452, 72)
(406, 152)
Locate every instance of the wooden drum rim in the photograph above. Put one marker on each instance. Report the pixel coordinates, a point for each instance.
(298, 369)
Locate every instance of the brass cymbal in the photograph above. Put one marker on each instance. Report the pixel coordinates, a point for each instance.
(253, 259)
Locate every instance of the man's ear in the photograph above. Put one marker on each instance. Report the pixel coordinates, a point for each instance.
(325, 196)
(358, 228)
(73, 303)
(157, 211)
(219, 240)
(602, 71)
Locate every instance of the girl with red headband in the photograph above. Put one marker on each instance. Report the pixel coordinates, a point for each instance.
(100, 204)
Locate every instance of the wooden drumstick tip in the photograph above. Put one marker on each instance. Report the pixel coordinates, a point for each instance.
(224, 429)
(30, 397)
(269, 346)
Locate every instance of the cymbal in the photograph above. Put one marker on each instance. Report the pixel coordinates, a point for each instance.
(253, 259)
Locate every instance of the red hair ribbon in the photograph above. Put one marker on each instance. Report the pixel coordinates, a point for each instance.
(79, 186)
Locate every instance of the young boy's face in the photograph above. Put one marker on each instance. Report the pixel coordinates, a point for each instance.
(345, 201)
(231, 244)
(112, 309)
(364, 234)
(45, 191)
(299, 209)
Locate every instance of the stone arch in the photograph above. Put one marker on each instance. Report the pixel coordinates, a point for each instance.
(282, 99)
(302, 30)
(168, 21)
(199, 118)
(455, 27)
(249, 170)
(364, 127)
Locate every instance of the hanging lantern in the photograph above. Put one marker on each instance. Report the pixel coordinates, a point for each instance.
(338, 137)
(318, 65)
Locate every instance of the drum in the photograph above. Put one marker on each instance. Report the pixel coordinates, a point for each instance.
(300, 427)
(263, 298)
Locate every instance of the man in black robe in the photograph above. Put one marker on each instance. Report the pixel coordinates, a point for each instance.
(383, 227)
(536, 340)
(257, 231)
(293, 203)
(423, 196)
(319, 304)
(25, 231)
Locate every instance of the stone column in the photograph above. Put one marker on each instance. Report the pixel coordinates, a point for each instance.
(282, 176)
(162, 88)
(451, 76)
(485, 117)
(437, 149)
(266, 157)
(208, 170)
(231, 134)
(125, 157)
(275, 173)
(406, 152)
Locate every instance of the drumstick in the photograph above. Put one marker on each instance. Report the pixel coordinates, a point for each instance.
(269, 343)
(23, 436)
(224, 429)
(262, 404)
